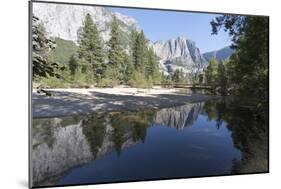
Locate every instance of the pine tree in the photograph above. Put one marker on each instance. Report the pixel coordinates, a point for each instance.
(132, 41)
(129, 59)
(211, 73)
(115, 53)
(90, 47)
(139, 52)
(222, 78)
(150, 67)
(129, 68)
(176, 76)
(73, 64)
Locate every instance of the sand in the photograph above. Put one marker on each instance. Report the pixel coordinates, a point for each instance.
(65, 102)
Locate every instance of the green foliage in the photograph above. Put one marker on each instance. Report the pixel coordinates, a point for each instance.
(211, 74)
(130, 124)
(128, 68)
(166, 79)
(53, 82)
(86, 64)
(222, 79)
(249, 64)
(152, 66)
(248, 123)
(63, 51)
(115, 52)
(41, 46)
(138, 80)
(90, 47)
(110, 79)
(73, 64)
(178, 76)
(201, 79)
(94, 128)
(139, 52)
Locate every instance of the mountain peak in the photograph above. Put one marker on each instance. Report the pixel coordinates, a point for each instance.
(178, 53)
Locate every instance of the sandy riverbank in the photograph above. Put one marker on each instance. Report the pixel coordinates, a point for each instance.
(65, 102)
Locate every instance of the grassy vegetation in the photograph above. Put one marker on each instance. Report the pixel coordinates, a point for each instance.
(63, 51)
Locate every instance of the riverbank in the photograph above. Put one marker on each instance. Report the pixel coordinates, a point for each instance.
(65, 102)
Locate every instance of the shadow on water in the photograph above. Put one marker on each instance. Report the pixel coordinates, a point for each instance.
(207, 138)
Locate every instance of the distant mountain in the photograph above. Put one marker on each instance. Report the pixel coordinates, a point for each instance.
(65, 22)
(221, 54)
(179, 53)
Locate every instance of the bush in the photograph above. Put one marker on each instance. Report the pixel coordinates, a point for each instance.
(138, 80)
(104, 82)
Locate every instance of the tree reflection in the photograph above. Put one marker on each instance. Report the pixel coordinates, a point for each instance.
(249, 126)
(130, 125)
(60, 144)
(123, 128)
(94, 129)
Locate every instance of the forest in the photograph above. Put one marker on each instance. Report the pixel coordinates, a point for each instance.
(94, 63)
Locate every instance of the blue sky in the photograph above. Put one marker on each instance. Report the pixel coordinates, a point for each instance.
(164, 25)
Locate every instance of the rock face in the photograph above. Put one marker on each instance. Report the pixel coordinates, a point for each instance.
(57, 149)
(59, 144)
(179, 117)
(179, 53)
(221, 54)
(64, 21)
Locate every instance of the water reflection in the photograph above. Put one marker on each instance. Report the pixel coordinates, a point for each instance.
(206, 138)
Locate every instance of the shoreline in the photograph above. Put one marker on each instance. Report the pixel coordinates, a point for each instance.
(75, 101)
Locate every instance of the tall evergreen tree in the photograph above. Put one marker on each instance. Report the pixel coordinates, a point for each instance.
(222, 80)
(211, 73)
(176, 76)
(73, 64)
(151, 67)
(132, 41)
(139, 52)
(129, 68)
(115, 52)
(90, 47)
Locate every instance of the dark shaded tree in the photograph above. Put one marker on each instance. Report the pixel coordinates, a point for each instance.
(250, 36)
(41, 46)
(73, 64)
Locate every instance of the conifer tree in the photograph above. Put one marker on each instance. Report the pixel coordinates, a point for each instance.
(115, 53)
(152, 68)
(90, 47)
(73, 64)
(222, 78)
(211, 73)
(176, 76)
(139, 52)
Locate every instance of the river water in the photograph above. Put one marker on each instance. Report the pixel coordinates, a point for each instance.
(208, 138)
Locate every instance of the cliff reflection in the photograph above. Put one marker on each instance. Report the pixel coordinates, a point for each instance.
(59, 144)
